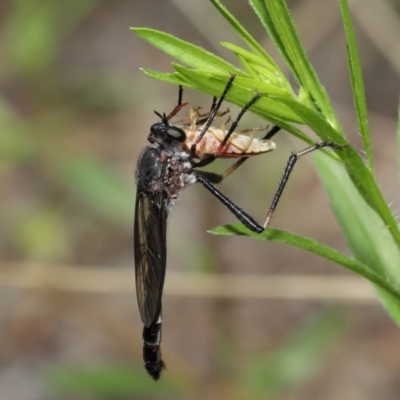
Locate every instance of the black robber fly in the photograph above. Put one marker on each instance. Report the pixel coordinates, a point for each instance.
(165, 168)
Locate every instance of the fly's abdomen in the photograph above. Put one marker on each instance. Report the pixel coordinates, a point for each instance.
(151, 349)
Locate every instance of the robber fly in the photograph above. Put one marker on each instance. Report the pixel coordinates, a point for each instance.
(164, 170)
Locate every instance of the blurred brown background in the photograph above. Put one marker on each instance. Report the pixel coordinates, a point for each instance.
(75, 112)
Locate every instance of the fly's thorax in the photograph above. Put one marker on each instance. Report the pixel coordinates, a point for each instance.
(164, 168)
(178, 174)
(176, 153)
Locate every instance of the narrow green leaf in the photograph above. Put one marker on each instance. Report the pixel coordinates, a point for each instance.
(302, 68)
(314, 247)
(264, 75)
(187, 53)
(260, 8)
(390, 303)
(214, 84)
(276, 19)
(313, 119)
(248, 66)
(252, 56)
(357, 82)
(262, 87)
(174, 78)
(237, 26)
(359, 173)
(272, 71)
(366, 234)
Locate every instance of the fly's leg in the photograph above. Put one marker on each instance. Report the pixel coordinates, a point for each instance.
(179, 106)
(288, 170)
(180, 95)
(275, 129)
(212, 116)
(251, 137)
(243, 217)
(216, 105)
(208, 178)
(232, 128)
(213, 104)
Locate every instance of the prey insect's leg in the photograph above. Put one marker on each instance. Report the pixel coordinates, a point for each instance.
(235, 123)
(218, 178)
(211, 117)
(233, 167)
(204, 120)
(288, 170)
(244, 218)
(275, 129)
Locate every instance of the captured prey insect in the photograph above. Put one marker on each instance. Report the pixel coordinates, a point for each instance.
(164, 170)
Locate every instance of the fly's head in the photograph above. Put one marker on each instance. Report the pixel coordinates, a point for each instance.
(165, 133)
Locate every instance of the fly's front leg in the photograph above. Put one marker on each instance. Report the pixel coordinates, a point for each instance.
(212, 157)
(180, 95)
(212, 115)
(177, 108)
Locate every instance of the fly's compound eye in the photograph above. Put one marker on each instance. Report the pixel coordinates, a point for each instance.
(176, 134)
(157, 129)
(162, 131)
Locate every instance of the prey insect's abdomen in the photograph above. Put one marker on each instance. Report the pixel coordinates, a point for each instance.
(238, 145)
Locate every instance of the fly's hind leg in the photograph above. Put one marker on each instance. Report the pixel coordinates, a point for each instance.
(288, 170)
(209, 178)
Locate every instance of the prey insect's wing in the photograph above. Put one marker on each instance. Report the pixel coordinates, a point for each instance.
(150, 254)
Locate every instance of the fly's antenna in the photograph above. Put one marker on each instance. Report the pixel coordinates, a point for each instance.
(164, 118)
(158, 114)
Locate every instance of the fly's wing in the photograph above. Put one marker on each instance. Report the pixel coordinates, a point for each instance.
(150, 254)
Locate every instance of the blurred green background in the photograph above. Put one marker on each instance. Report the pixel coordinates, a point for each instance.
(75, 112)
